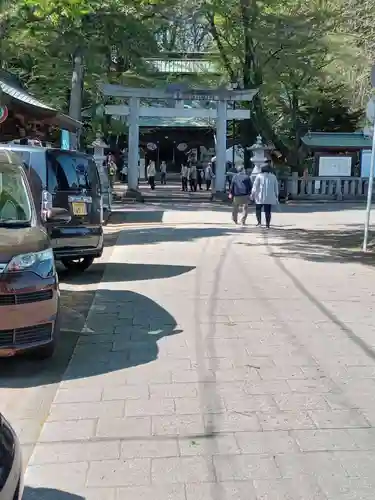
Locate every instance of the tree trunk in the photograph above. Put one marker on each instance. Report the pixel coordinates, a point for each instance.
(75, 105)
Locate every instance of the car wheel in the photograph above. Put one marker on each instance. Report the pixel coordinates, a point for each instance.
(79, 265)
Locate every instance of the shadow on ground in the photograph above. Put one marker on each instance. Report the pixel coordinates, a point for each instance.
(163, 234)
(116, 272)
(322, 245)
(48, 494)
(121, 332)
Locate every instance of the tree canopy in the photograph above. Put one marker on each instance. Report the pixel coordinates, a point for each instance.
(310, 60)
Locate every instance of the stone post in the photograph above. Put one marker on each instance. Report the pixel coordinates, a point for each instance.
(221, 147)
(133, 148)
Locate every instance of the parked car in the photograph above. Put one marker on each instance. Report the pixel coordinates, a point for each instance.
(11, 480)
(69, 180)
(29, 292)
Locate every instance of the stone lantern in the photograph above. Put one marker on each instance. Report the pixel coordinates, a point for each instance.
(99, 146)
(259, 158)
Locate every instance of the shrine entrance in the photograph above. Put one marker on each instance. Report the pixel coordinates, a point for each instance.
(218, 111)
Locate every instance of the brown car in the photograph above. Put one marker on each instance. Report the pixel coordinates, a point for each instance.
(29, 291)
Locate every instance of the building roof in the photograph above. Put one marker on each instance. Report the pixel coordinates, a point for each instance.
(13, 88)
(337, 140)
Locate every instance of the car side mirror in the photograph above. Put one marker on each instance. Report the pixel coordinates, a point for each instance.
(58, 215)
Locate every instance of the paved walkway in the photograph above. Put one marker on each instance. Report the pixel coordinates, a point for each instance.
(219, 364)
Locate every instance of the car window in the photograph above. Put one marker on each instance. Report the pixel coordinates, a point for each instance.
(71, 170)
(14, 197)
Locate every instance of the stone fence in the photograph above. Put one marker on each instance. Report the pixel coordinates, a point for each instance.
(327, 188)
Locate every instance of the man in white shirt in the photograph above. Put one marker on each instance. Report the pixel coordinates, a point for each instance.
(151, 171)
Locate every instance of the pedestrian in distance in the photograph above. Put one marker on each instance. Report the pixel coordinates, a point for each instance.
(200, 175)
(265, 193)
(111, 168)
(193, 177)
(151, 172)
(163, 173)
(208, 176)
(239, 192)
(184, 178)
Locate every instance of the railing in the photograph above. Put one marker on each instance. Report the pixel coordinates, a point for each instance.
(335, 188)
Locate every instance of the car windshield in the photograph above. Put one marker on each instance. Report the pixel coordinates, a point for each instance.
(15, 207)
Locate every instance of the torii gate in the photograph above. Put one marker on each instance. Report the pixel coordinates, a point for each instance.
(133, 110)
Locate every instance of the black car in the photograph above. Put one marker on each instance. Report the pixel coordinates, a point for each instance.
(69, 180)
(11, 479)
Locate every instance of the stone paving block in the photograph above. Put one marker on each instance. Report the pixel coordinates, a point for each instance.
(25, 428)
(149, 448)
(210, 445)
(173, 390)
(310, 464)
(245, 467)
(357, 463)
(281, 373)
(300, 402)
(325, 440)
(123, 427)
(178, 425)
(336, 419)
(78, 411)
(197, 469)
(267, 387)
(75, 452)
(156, 492)
(238, 490)
(192, 376)
(322, 385)
(232, 422)
(237, 374)
(73, 430)
(364, 438)
(204, 404)
(83, 395)
(250, 403)
(285, 420)
(117, 473)
(123, 392)
(303, 488)
(144, 374)
(350, 487)
(266, 443)
(153, 406)
(57, 475)
(96, 494)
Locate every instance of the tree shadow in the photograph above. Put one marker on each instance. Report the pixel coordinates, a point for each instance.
(121, 331)
(122, 271)
(340, 245)
(48, 494)
(309, 207)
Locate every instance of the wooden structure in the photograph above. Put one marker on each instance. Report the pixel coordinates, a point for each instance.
(28, 118)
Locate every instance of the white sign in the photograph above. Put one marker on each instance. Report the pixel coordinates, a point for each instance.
(151, 146)
(182, 147)
(335, 166)
(365, 163)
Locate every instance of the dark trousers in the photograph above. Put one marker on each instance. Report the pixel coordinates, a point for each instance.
(193, 184)
(163, 178)
(208, 184)
(151, 181)
(267, 212)
(184, 183)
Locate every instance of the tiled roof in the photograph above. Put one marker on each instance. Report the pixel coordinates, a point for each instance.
(355, 140)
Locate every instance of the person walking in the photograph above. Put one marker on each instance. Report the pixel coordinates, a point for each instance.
(151, 172)
(200, 175)
(208, 176)
(111, 169)
(184, 178)
(163, 173)
(193, 177)
(265, 193)
(239, 192)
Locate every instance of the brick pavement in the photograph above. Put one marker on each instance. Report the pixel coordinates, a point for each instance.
(217, 363)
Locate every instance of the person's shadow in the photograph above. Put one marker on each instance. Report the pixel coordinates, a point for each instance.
(48, 494)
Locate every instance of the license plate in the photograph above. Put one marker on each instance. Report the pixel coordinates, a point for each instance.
(79, 208)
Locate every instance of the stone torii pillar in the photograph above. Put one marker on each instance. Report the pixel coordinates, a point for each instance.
(221, 146)
(133, 148)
